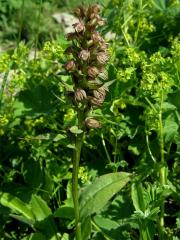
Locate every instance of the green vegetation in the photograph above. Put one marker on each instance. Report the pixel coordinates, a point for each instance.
(128, 179)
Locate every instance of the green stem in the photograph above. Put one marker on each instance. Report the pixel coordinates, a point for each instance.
(162, 171)
(144, 231)
(76, 160)
(105, 149)
(38, 28)
(21, 22)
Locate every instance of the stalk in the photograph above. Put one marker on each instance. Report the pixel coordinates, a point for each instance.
(38, 28)
(85, 64)
(21, 22)
(75, 194)
(162, 171)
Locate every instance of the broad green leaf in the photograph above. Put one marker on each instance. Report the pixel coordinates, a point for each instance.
(86, 228)
(105, 223)
(174, 99)
(138, 196)
(65, 212)
(170, 128)
(35, 236)
(159, 4)
(168, 107)
(95, 196)
(16, 205)
(22, 219)
(37, 100)
(32, 173)
(43, 215)
(65, 236)
(39, 208)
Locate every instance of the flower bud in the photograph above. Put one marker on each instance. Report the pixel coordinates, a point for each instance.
(79, 27)
(92, 123)
(103, 46)
(70, 66)
(95, 9)
(77, 12)
(92, 24)
(84, 55)
(100, 93)
(93, 72)
(100, 21)
(102, 57)
(96, 37)
(92, 16)
(96, 101)
(80, 95)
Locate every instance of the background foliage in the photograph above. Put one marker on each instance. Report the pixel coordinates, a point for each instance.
(140, 117)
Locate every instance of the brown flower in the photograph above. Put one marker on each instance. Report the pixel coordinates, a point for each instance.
(102, 57)
(77, 12)
(93, 72)
(91, 25)
(70, 66)
(79, 27)
(103, 46)
(80, 95)
(96, 101)
(95, 8)
(100, 93)
(84, 54)
(92, 123)
(96, 37)
(100, 21)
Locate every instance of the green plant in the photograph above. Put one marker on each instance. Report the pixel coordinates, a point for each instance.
(89, 53)
(140, 133)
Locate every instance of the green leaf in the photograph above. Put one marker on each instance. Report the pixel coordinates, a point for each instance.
(75, 130)
(86, 228)
(43, 215)
(170, 128)
(65, 212)
(95, 196)
(105, 223)
(138, 197)
(37, 100)
(39, 208)
(159, 4)
(65, 236)
(16, 205)
(35, 236)
(168, 107)
(32, 173)
(22, 219)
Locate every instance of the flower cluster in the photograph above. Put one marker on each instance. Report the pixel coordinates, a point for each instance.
(86, 65)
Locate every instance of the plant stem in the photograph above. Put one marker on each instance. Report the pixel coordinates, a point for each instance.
(21, 22)
(38, 28)
(162, 171)
(76, 159)
(105, 149)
